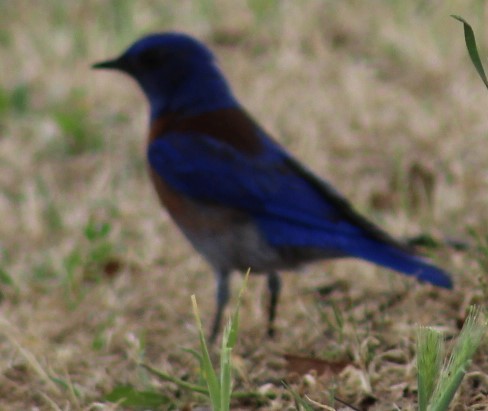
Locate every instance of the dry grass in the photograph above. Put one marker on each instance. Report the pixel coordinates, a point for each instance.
(379, 97)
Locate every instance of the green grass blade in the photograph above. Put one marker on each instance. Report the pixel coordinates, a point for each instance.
(207, 367)
(219, 389)
(128, 396)
(225, 376)
(475, 327)
(430, 349)
(229, 340)
(179, 382)
(234, 322)
(472, 48)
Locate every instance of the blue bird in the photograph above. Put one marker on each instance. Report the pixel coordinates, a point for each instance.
(238, 196)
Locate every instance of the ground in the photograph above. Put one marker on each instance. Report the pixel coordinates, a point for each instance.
(379, 98)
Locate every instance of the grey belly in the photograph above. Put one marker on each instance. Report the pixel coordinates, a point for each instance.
(239, 247)
(242, 246)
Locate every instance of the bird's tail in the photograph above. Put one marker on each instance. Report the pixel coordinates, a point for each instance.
(403, 261)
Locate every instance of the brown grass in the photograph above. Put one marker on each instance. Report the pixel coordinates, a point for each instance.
(378, 97)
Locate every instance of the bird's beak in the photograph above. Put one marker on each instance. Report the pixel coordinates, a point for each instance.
(115, 64)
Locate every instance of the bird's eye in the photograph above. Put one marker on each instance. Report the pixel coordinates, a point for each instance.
(151, 58)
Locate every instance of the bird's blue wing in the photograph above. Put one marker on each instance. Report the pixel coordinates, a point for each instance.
(266, 185)
(290, 205)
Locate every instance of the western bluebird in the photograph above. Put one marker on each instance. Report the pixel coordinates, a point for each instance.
(239, 197)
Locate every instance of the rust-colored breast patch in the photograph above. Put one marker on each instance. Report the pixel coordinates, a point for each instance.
(160, 126)
(231, 126)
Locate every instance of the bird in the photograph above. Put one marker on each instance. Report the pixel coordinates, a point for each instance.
(238, 196)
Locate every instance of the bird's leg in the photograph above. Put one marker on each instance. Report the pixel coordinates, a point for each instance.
(274, 287)
(222, 300)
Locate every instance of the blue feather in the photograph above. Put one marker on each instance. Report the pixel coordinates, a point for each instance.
(290, 206)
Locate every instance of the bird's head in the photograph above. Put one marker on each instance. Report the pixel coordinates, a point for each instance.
(176, 72)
